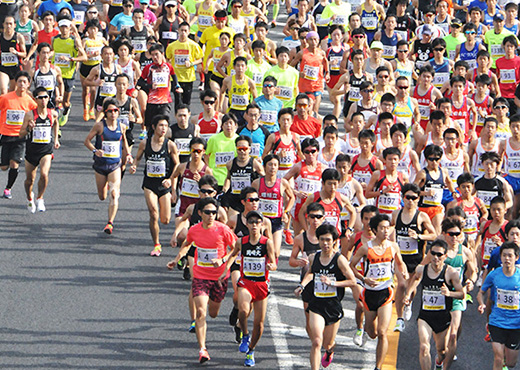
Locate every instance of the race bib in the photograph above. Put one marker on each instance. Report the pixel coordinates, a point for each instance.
(183, 145)
(508, 76)
(513, 165)
(285, 93)
(239, 101)
(424, 110)
(90, 53)
(331, 220)
(370, 23)
(117, 3)
(161, 79)
(139, 46)
(253, 266)
(169, 35)
(268, 117)
(507, 299)
(287, 160)
(41, 135)
(62, 60)
(27, 37)
(472, 63)
(111, 149)
(335, 62)
(389, 52)
(156, 169)
(309, 186)
(322, 290)
(181, 59)
(46, 82)
(239, 182)
(190, 188)
(205, 21)
(311, 73)
(107, 90)
(471, 224)
(204, 257)
(381, 272)
(389, 201)
(9, 59)
(79, 17)
(340, 20)
(269, 207)
(354, 94)
(440, 78)
(433, 300)
(435, 199)
(489, 247)
(407, 245)
(15, 117)
(258, 78)
(222, 158)
(255, 150)
(486, 196)
(497, 51)
(123, 121)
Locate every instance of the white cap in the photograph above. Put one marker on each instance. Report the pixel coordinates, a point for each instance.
(170, 2)
(64, 23)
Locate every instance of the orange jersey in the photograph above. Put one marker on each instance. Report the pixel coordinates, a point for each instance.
(12, 112)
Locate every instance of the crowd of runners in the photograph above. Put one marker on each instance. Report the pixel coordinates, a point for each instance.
(405, 174)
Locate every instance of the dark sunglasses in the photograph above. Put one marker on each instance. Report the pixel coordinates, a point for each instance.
(411, 197)
(206, 191)
(209, 102)
(319, 217)
(500, 107)
(403, 51)
(209, 211)
(434, 158)
(268, 85)
(43, 97)
(312, 151)
(436, 254)
(254, 222)
(470, 32)
(198, 151)
(128, 5)
(358, 36)
(403, 87)
(368, 90)
(112, 110)
(251, 200)
(454, 233)
(439, 49)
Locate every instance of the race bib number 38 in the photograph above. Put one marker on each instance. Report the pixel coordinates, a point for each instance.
(507, 299)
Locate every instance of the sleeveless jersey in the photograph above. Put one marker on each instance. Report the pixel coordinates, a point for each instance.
(333, 272)
(442, 72)
(437, 185)
(111, 144)
(487, 189)
(240, 95)
(455, 166)
(473, 215)
(92, 46)
(351, 149)
(470, 56)
(208, 128)
(138, 39)
(512, 160)
(332, 209)
(254, 260)
(312, 69)
(108, 89)
(40, 140)
(477, 169)
(168, 31)
(483, 105)
(363, 174)
(389, 45)
(379, 267)
(158, 163)
(9, 59)
(433, 301)
(241, 177)
(181, 138)
(460, 116)
(286, 152)
(487, 243)
(391, 201)
(412, 250)
(46, 80)
(271, 199)
(424, 104)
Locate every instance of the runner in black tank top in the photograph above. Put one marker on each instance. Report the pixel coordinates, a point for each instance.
(182, 138)
(241, 177)
(40, 140)
(412, 250)
(154, 172)
(353, 94)
(124, 111)
(168, 31)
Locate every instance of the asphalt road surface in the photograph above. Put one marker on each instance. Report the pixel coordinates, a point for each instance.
(76, 298)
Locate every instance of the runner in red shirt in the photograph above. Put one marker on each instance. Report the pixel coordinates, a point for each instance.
(304, 124)
(213, 242)
(508, 70)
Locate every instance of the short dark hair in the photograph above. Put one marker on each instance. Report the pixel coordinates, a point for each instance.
(268, 158)
(367, 134)
(315, 206)
(410, 186)
(493, 156)
(343, 158)
(246, 191)
(330, 174)
(244, 138)
(198, 140)
(325, 229)
(448, 223)
(156, 47)
(433, 149)
(286, 111)
(497, 200)
(369, 209)
(208, 180)
(398, 127)
(310, 141)
(377, 219)
(440, 243)
(156, 119)
(464, 178)
(205, 201)
(391, 151)
(509, 245)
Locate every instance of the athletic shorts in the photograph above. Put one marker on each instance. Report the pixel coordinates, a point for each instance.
(446, 197)
(10, 71)
(69, 84)
(276, 224)
(155, 185)
(459, 305)
(333, 81)
(372, 300)
(191, 251)
(12, 150)
(35, 158)
(331, 311)
(308, 292)
(214, 289)
(509, 337)
(259, 290)
(105, 169)
(514, 182)
(219, 80)
(438, 321)
(432, 211)
(84, 70)
(235, 266)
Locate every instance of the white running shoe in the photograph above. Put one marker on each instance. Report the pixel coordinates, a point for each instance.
(399, 325)
(40, 205)
(358, 337)
(407, 312)
(32, 205)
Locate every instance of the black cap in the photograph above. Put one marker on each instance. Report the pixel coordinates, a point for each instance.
(254, 214)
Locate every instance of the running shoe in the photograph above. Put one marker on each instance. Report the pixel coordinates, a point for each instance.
(233, 316)
(40, 205)
(407, 312)
(238, 334)
(469, 298)
(86, 115)
(32, 205)
(203, 355)
(201, 86)
(273, 24)
(244, 345)
(109, 228)
(437, 365)
(326, 360)
(250, 359)
(288, 237)
(181, 265)
(142, 135)
(358, 337)
(7, 194)
(399, 325)
(487, 338)
(92, 113)
(192, 327)
(156, 250)
(186, 274)
(64, 117)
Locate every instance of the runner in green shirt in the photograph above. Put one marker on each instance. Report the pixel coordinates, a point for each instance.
(454, 38)
(258, 66)
(286, 76)
(221, 149)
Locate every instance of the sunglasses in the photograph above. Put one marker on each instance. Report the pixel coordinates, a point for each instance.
(436, 254)
(128, 5)
(358, 36)
(268, 85)
(302, 105)
(368, 90)
(237, 6)
(319, 217)
(500, 107)
(385, 76)
(434, 159)
(206, 191)
(403, 87)
(470, 32)
(209, 102)
(209, 212)
(198, 151)
(243, 148)
(439, 49)
(454, 233)
(91, 12)
(402, 51)
(312, 151)
(170, 6)
(251, 200)
(455, 26)
(254, 222)
(411, 197)
(112, 110)
(43, 97)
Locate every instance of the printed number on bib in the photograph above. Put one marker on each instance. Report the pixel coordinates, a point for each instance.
(309, 186)
(190, 188)
(435, 199)
(108, 89)
(9, 59)
(311, 73)
(161, 79)
(62, 60)
(111, 149)
(15, 117)
(268, 118)
(41, 135)
(222, 158)
(46, 82)
(239, 182)
(268, 207)
(169, 35)
(285, 93)
(489, 247)
(381, 272)
(322, 290)
(204, 257)
(389, 201)
(183, 145)
(253, 266)
(156, 168)
(507, 299)
(486, 196)
(407, 245)
(433, 300)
